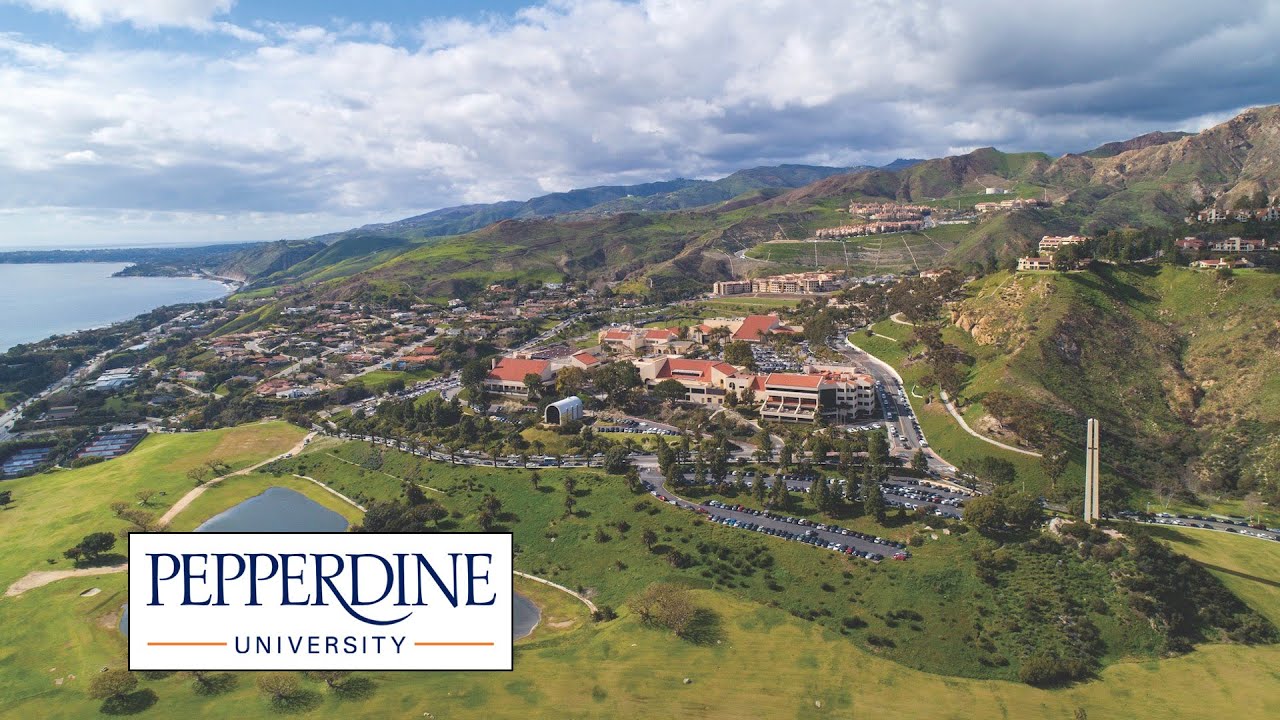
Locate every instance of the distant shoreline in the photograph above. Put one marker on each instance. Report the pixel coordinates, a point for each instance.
(228, 287)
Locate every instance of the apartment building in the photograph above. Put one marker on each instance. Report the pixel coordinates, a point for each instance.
(1049, 243)
(1235, 244)
(807, 283)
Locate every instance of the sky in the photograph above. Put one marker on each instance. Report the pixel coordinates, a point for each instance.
(137, 122)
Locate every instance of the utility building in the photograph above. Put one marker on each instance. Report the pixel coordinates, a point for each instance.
(563, 411)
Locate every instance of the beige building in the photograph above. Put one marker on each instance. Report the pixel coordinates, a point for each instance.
(1049, 243)
(807, 283)
(1036, 263)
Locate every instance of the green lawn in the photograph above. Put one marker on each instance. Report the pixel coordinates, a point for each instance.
(377, 380)
(782, 647)
(52, 511)
(764, 664)
(1249, 566)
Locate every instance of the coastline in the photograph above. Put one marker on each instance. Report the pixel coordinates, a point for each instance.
(228, 287)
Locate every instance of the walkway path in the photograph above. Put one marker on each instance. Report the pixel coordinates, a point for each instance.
(946, 401)
(196, 492)
(898, 318)
(348, 500)
(557, 586)
(40, 578)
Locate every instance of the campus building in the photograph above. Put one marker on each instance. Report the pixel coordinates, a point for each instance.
(752, 328)
(806, 283)
(508, 374)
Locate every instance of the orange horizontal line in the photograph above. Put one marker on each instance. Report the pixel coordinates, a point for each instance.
(453, 644)
(187, 644)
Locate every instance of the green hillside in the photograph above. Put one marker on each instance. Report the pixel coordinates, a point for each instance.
(1181, 366)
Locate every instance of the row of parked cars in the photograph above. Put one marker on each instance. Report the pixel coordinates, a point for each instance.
(634, 427)
(1239, 526)
(806, 523)
(809, 537)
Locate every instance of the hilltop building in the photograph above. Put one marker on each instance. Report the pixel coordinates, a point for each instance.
(807, 283)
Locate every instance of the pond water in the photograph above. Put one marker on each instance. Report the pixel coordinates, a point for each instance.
(280, 509)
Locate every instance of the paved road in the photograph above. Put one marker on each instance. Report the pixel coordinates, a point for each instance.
(1203, 522)
(897, 411)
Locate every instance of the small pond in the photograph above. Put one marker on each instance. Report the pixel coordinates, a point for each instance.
(280, 509)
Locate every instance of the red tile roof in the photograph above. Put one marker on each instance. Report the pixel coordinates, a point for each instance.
(514, 369)
(617, 335)
(586, 358)
(755, 327)
(660, 334)
(694, 370)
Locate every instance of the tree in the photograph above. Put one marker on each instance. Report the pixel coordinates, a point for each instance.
(569, 504)
(920, 461)
(996, 471)
(280, 686)
(873, 501)
(821, 493)
(570, 381)
(6, 498)
(669, 606)
(758, 491)
(474, 373)
(570, 484)
(198, 475)
(670, 390)
(332, 678)
(112, 684)
(786, 455)
(649, 537)
(778, 495)
(617, 460)
(144, 496)
(739, 353)
(92, 547)
(764, 445)
(534, 479)
(533, 384)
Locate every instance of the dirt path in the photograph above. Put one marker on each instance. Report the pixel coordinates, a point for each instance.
(40, 578)
(946, 401)
(190, 497)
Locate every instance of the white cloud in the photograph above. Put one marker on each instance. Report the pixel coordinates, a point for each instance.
(141, 13)
(334, 122)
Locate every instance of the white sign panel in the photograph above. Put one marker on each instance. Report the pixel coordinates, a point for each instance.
(320, 601)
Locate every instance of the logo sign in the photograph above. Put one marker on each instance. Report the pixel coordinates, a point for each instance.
(320, 601)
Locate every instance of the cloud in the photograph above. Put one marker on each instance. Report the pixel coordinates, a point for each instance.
(353, 120)
(141, 13)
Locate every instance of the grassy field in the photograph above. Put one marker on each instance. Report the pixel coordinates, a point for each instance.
(1249, 566)
(377, 380)
(52, 511)
(892, 253)
(779, 647)
(763, 664)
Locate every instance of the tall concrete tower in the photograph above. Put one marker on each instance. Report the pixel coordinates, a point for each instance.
(1091, 473)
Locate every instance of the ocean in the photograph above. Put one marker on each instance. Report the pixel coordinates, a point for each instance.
(43, 299)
